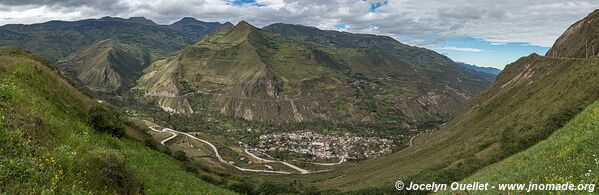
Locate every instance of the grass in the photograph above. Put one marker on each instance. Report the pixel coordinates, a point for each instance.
(532, 98)
(48, 145)
(571, 154)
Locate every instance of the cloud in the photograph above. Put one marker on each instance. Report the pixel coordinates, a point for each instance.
(104, 6)
(534, 22)
(498, 43)
(466, 49)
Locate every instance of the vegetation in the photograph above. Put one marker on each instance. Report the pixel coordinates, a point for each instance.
(571, 154)
(420, 57)
(104, 120)
(242, 82)
(51, 143)
(255, 75)
(106, 66)
(55, 40)
(531, 99)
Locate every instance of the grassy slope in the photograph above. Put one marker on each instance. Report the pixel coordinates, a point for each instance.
(48, 144)
(571, 154)
(532, 98)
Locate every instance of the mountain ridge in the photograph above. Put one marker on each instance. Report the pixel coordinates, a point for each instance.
(579, 40)
(384, 44)
(490, 70)
(253, 74)
(106, 66)
(55, 40)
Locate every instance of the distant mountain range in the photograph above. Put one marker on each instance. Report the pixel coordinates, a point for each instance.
(55, 40)
(106, 54)
(490, 70)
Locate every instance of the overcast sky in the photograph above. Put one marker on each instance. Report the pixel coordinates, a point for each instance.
(482, 32)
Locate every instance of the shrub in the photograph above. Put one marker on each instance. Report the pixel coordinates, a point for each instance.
(180, 155)
(105, 120)
(243, 188)
(111, 166)
(276, 188)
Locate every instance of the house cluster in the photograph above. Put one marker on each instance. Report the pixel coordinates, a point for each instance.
(326, 146)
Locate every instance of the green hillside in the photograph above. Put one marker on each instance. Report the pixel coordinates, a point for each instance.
(532, 98)
(106, 66)
(421, 57)
(56, 140)
(384, 44)
(193, 26)
(55, 40)
(251, 74)
(571, 154)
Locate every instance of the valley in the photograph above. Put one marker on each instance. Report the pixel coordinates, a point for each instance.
(250, 155)
(129, 106)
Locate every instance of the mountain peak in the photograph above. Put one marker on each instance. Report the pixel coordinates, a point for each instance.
(187, 20)
(142, 20)
(138, 20)
(244, 24)
(241, 30)
(104, 66)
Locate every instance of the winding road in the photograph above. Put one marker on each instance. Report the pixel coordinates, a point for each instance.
(342, 160)
(300, 170)
(175, 133)
(168, 138)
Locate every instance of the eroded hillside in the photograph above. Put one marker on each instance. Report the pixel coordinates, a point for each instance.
(106, 66)
(255, 75)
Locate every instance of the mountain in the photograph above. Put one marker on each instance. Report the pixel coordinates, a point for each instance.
(486, 72)
(56, 40)
(56, 140)
(531, 99)
(245, 72)
(382, 44)
(106, 66)
(191, 25)
(489, 70)
(579, 41)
